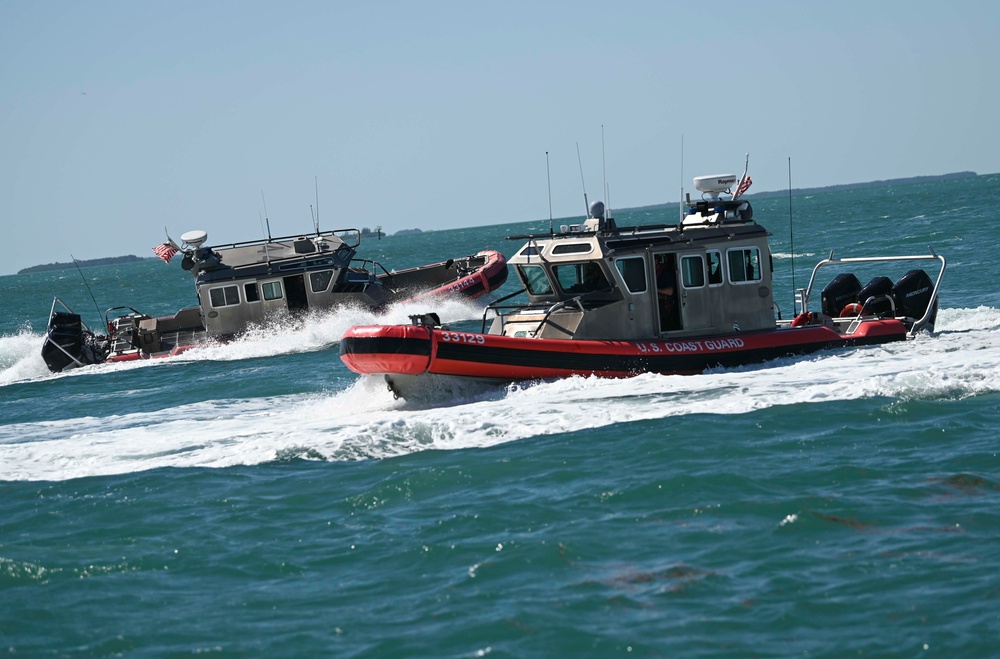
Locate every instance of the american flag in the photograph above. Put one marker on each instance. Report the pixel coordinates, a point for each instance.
(165, 251)
(744, 185)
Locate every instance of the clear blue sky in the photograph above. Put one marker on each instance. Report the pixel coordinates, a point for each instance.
(120, 118)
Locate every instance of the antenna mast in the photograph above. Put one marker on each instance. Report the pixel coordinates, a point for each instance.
(316, 221)
(680, 201)
(78, 269)
(548, 179)
(791, 234)
(267, 254)
(604, 173)
(266, 220)
(586, 203)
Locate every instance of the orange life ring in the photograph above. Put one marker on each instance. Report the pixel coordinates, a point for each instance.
(852, 309)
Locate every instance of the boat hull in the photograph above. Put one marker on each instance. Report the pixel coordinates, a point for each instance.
(68, 345)
(470, 277)
(412, 350)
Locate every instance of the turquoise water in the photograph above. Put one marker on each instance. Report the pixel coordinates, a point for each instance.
(258, 499)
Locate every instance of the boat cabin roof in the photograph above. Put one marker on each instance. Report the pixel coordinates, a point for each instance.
(254, 252)
(588, 245)
(256, 258)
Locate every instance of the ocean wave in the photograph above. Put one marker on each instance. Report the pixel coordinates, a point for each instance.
(364, 421)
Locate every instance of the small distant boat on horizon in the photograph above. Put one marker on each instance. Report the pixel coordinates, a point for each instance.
(613, 301)
(242, 284)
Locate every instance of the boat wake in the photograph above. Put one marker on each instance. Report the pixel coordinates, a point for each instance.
(20, 357)
(960, 361)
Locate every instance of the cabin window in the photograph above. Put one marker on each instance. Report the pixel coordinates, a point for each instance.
(250, 292)
(534, 279)
(573, 248)
(692, 271)
(580, 277)
(225, 296)
(310, 263)
(714, 268)
(744, 265)
(320, 281)
(633, 271)
(272, 290)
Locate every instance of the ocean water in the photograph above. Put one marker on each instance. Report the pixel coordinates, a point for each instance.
(258, 499)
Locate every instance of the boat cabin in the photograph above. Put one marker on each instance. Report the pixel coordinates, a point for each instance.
(709, 274)
(242, 283)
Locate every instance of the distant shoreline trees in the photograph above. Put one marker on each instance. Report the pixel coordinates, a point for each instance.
(379, 233)
(83, 263)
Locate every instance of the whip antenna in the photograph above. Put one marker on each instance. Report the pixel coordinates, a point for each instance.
(266, 220)
(548, 179)
(586, 204)
(78, 269)
(791, 234)
(680, 201)
(316, 220)
(604, 173)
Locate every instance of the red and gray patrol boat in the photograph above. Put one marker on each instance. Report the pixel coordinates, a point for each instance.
(610, 301)
(242, 284)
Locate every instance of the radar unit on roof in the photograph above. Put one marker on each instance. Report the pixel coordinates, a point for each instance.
(195, 238)
(713, 185)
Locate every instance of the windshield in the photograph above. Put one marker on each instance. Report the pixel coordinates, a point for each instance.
(580, 277)
(534, 279)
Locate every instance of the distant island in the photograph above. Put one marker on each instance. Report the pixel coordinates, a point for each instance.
(83, 263)
(831, 188)
(377, 231)
(871, 184)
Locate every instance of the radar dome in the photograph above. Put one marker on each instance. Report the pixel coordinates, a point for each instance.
(597, 209)
(715, 184)
(194, 238)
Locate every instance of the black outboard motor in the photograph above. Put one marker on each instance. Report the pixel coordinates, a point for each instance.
(65, 332)
(839, 293)
(913, 294)
(68, 344)
(880, 288)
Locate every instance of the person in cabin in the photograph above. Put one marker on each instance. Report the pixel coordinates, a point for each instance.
(666, 291)
(593, 278)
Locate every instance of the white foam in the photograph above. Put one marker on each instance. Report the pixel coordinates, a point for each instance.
(322, 329)
(20, 354)
(21, 357)
(363, 421)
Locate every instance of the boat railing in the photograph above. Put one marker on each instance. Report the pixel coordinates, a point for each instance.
(56, 300)
(370, 265)
(578, 231)
(107, 319)
(931, 304)
(502, 311)
(498, 308)
(336, 233)
(856, 322)
(558, 306)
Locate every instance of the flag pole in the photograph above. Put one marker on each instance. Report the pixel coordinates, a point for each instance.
(746, 168)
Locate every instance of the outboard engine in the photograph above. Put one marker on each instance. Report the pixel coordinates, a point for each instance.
(880, 288)
(839, 293)
(913, 294)
(67, 343)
